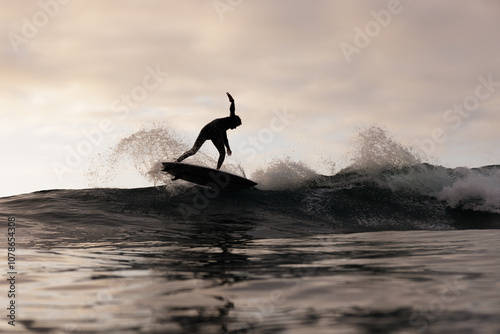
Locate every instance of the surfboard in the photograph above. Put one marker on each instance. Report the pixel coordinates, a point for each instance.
(206, 176)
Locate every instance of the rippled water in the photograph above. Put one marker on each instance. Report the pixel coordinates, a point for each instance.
(225, 277)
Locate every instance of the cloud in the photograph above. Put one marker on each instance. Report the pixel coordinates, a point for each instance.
(268, 54)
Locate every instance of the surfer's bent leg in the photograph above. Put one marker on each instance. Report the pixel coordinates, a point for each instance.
(197, 144)
(219, 143)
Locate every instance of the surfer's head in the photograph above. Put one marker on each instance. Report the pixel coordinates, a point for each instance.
(234, 122)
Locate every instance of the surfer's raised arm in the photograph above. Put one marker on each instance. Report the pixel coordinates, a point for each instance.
(232, 107)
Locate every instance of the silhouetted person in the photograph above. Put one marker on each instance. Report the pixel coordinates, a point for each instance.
(216, 132)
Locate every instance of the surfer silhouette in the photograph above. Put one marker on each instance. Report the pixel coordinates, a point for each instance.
(216, 132)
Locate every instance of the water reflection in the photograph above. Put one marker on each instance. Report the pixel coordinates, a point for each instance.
(217, 277)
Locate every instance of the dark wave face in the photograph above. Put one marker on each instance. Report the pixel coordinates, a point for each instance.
(421, 197)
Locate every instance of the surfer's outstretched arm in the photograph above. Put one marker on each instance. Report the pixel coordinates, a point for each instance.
(232, 107)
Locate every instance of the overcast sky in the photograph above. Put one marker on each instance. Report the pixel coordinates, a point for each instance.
(426, 71)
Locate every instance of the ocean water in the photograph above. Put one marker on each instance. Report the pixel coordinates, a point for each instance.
(397, 246)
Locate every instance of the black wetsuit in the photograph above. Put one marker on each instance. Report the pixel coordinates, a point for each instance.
(216, 132)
